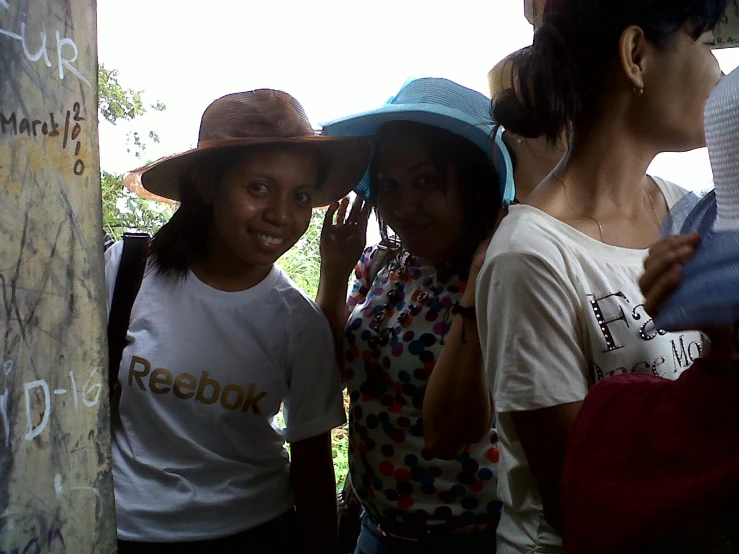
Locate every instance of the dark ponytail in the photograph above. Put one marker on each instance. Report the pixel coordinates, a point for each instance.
(559, 81)
(544, 100)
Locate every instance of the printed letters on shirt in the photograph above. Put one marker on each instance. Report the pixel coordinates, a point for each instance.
(185, 386)
(615, 315)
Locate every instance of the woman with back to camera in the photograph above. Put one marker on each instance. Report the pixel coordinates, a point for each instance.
(559, 304)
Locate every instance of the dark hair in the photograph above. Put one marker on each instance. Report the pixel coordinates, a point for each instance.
(559, 80)
(480, 189)
(184, 239)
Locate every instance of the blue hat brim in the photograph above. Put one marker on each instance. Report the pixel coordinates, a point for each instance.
(709, 292)
(457, 122)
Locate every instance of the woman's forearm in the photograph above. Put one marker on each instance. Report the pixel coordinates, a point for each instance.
(457, 409)
(331, 298)
(312, 473)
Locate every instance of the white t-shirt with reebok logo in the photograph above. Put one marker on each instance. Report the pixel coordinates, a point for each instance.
(560, 311)
(199, 454)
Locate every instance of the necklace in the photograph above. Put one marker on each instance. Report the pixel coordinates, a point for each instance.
(590, 217)
(579, 212)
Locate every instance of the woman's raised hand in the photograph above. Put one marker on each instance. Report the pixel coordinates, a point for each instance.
(662, 269)
(343, 236)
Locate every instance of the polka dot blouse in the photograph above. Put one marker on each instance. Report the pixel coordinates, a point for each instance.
(393, 338)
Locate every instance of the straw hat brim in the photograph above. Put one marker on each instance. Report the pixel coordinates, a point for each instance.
(348, 159)
(500, 77)
(132, 181)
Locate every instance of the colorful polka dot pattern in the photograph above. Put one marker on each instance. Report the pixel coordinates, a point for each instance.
(392, 340)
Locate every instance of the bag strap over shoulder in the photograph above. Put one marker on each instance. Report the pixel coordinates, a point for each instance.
(127, 285)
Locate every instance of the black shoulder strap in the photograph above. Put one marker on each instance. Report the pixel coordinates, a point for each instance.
(127, 284)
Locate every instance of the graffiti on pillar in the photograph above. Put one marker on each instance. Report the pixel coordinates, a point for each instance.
(55, 484)
(727, 33)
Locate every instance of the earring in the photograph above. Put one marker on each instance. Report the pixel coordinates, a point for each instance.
(639, 91)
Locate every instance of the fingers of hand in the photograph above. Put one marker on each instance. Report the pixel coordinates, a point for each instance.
(356, 211)
(666, 254)
(364, 216)
(661, 288)
(680, 248)
(328, 219)
(341, 215)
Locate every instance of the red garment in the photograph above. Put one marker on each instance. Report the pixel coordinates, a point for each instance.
(648, 458)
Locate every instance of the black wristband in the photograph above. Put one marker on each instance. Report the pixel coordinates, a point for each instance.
(467, 312)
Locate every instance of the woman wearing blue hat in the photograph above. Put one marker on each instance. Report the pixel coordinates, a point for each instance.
(437, 196)
(559, 304)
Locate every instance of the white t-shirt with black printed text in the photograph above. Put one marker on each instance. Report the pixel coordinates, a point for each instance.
(558, 312)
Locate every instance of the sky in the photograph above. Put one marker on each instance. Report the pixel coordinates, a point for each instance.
(337, 57)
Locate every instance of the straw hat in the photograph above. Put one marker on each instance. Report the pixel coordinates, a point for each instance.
(259, 117)
(534, 11)
(709, 292)
(500, 78)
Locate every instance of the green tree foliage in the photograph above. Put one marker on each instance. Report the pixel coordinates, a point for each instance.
(125, 211)
(122, 210)
(116, 103)
(303, 261)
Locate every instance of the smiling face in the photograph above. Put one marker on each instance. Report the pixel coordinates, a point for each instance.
(418, 199)
(262, 206)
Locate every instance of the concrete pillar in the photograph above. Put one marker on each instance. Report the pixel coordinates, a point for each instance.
(727, 33)
(55, 483)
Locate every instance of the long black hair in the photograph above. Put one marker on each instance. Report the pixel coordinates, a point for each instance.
(184, 239)
(480, 190)
(559, 80)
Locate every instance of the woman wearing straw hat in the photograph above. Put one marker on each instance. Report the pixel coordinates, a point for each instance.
(677, 440)
(219, 338)
(436, 193)
(559, 305)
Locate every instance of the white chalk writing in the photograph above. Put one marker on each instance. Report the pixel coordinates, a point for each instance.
(39, 405)
(35, 431)
(94, 388)
(63, 44)
(4, 414)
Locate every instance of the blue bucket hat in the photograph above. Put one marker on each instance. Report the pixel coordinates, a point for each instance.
(441, 103)
(709, 292)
